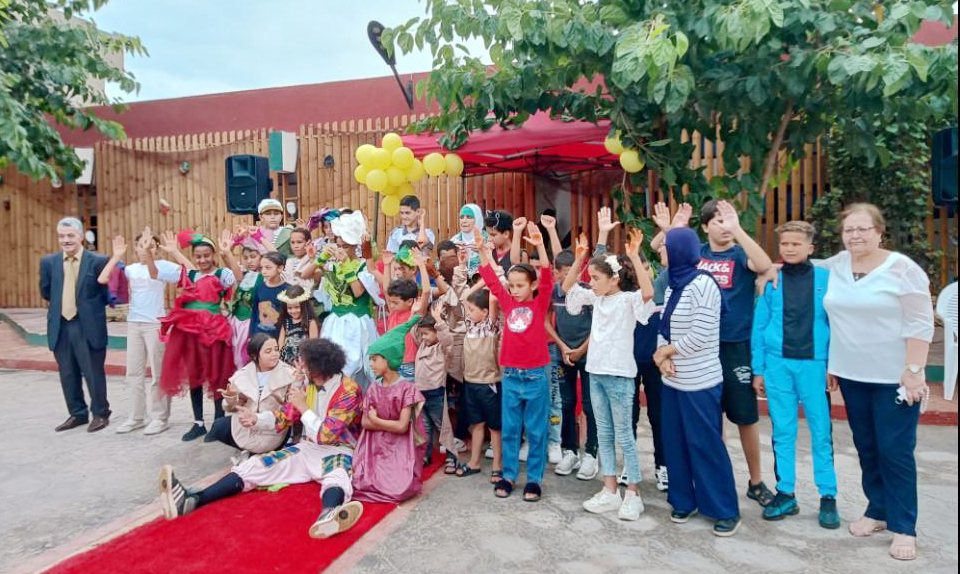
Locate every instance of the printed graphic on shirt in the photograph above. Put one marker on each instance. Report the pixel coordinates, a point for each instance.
(744, 374)
(721, 269)
(269, 316)
(520, 319)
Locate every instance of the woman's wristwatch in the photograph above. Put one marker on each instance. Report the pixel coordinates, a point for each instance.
(915, 369)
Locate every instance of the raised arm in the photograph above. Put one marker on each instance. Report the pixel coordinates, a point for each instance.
(757, 259)
(169, 245)
(226, 253)
(633, 253)
(605, 224)
(119, 249)
(535, 238)
(519, 224)
(580, 252)
(550, 224)
(423, 302)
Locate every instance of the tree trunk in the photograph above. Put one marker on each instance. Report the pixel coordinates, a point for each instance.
(771, 162)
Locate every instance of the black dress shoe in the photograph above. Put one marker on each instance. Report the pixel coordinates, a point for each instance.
(98, 423)
(71, 422)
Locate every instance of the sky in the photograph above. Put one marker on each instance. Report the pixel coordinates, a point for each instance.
(210, 46)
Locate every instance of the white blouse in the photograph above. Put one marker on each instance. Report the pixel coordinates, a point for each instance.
(611, 334)
(871, 319)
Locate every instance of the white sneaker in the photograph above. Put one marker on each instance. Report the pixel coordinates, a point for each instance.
(588, 467)
(622, 477)
(524, 451)
(568, 463)
(663, 480)
(554, 453)
(130, 425)
(336, 520)
(156, 427)
(632, 506)
(461, 446)
(488, 453)
(240, 457)
(603, 501)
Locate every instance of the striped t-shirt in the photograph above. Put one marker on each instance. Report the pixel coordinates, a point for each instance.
(695, 334)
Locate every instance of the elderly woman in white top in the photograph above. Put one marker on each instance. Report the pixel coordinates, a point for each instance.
(881, 323)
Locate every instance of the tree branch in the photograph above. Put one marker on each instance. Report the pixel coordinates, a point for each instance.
(771, 161)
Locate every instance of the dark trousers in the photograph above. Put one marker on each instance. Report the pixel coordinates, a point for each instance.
(701, 476)
(221, 430)
(648, 375)
(569, 436)
(432, 417)
(77, 361)
(885, 434)
(196, 403)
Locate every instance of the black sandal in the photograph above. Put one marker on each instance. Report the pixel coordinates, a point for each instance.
(465, 470)
(532, 492)
(451, 466)
(496, 476)
(760, 493)
(504, 486)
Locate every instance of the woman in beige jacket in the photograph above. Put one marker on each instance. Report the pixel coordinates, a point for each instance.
(257, 388)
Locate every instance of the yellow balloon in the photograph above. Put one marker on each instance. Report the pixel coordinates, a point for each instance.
(390, 205)
(396, 175)
(380, 158)
(363, 154)
(454, 165)
(377, 180)
(403, 158)
(613, 145)
(391, 190)
(405, 189)
(360, 174)
(630, 161)
(415, 171)
(391, 141)
(434, 164)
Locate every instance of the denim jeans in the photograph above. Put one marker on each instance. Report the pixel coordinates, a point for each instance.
(432, 417)
(612, 399)
(556, 404)
(648, 374)
(526, 404)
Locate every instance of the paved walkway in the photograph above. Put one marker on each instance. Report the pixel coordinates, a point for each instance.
(60, 491)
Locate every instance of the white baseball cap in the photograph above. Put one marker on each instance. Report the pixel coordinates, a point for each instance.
(268, 204)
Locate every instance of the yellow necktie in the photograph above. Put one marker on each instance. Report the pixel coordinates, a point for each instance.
(68, 304)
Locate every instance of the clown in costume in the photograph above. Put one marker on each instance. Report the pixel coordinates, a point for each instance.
(349, 293)
(330, 411)
(388, 463)
(471, 218)
(197, 335)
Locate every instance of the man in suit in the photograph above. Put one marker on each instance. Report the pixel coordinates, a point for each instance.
(77, 324)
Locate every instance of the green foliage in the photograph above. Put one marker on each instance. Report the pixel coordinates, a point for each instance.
(901, 189)
(44, 68)
(674, 66)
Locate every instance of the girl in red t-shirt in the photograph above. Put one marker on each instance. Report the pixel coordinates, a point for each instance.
(524, 357)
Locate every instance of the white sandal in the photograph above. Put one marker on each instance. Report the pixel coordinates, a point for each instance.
(878, 526)
(902, 542)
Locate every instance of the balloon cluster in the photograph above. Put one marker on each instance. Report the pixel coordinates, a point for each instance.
(629, 158)
(392, 169)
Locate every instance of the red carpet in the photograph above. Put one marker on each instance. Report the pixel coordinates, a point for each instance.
(256, 531)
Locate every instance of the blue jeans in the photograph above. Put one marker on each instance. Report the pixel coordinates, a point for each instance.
(885, 434)
(432, 417)
(556, 404)
(613, 399)
(526, 403)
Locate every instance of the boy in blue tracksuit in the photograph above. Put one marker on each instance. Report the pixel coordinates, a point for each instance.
(789, 344)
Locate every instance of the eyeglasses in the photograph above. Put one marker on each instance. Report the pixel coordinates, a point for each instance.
(856, 230)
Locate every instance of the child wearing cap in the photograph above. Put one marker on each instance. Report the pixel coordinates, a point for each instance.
(270, 235)
(388, 462)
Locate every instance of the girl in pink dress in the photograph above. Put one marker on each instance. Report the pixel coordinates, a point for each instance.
(388, 461)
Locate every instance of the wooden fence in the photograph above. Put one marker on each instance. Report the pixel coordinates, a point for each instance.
(132, 177)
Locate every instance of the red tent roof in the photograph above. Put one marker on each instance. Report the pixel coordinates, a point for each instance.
(541, 144)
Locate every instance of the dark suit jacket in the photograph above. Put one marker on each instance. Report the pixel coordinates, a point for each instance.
(92, 297)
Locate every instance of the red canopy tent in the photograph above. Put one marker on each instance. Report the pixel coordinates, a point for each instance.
(541, 144)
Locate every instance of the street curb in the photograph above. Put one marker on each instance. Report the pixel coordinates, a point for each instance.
(114, 342)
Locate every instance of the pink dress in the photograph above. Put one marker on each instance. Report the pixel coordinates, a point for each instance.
(387, 467)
